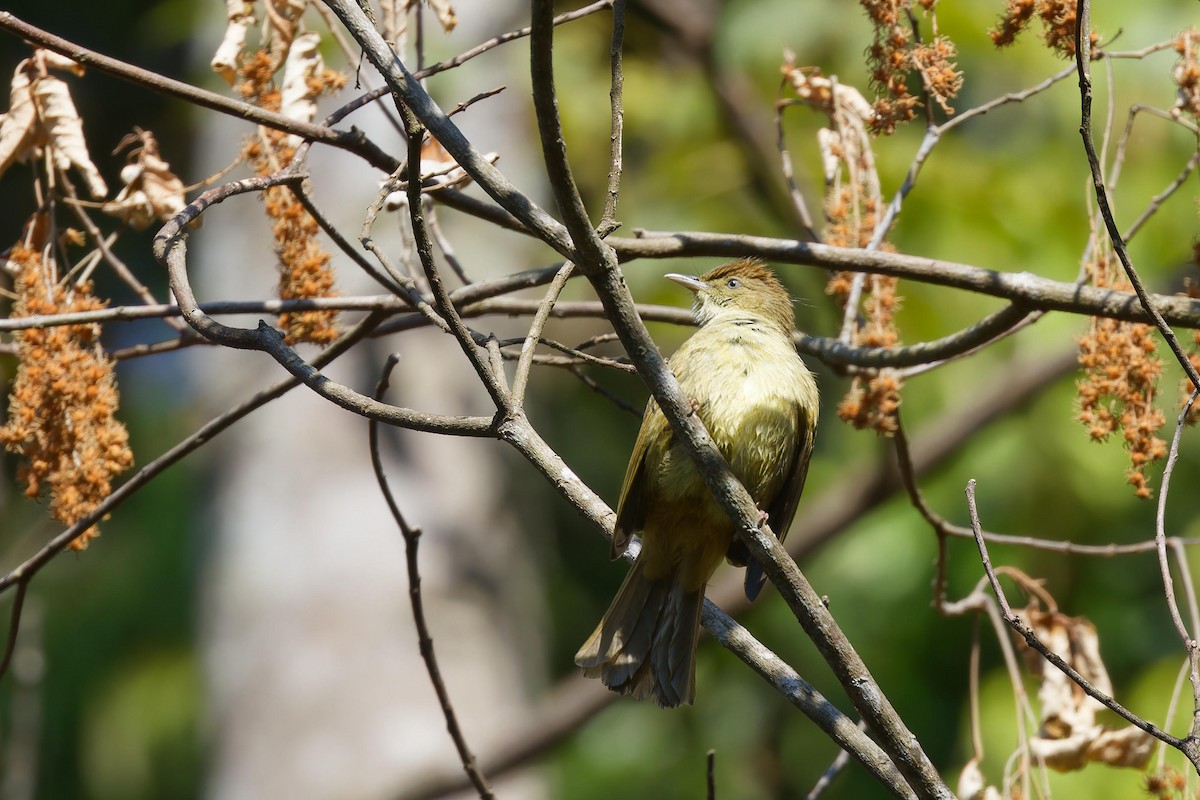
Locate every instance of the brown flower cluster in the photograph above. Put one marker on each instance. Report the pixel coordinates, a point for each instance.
(1166, 783)
(1058, 23)
(61, 412)
(304, 264)
(1120, 380)
(896, 53)
(872, 401)
(853, 211)
(1186, 72)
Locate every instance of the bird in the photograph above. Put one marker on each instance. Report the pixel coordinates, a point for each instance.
(758, 401)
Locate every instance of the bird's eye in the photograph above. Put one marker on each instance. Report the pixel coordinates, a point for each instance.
(733, 283)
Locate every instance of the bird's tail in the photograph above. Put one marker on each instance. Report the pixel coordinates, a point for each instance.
(646, 643)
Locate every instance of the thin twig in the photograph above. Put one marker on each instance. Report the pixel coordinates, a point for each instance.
(1160, 198)
(832, 771)
(375, 94)
(412, 538)
(14, 621)
(525, 362)
(493, 381)
(335, 233)
(1026, 288)
(573, 357)
(483, 47)
(217, 425)
(1160, 538)
(619, 402)
(789, 174)
(170, 248)
(1083, 48)
(616, 98)
(1017, 624)
(102, 244)
(559, 713)
(444, 244)
(409, 91)
(1190, 747)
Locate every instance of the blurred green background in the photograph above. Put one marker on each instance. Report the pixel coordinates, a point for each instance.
(1007, 191)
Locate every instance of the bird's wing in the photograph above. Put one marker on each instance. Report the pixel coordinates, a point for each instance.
(631, 508)
(783, 509)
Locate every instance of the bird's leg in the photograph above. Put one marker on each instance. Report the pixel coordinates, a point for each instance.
(762, 518)
(695, 405)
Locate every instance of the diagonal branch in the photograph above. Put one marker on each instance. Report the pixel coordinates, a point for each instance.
(1083, 55)
(170, 248)
(1186, 746)
(598, 262)
(517, 431)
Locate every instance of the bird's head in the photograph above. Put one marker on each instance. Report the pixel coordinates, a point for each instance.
(744, 287)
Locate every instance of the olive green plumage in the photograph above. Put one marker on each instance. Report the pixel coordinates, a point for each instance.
(759, 404)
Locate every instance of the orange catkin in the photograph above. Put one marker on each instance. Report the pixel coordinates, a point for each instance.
(62, 408)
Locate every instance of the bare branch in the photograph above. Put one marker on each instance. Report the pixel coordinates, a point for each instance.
(1160, 540)
(493, 381)
(1026, 288)
(545, 307)
(1153, 309)
(27, 569)
(616, 96)
(1185, 746)
(412, 538)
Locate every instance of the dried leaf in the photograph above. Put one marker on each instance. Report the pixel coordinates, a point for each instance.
(973, 786)
(51, 60)
(284, 18)
(824, 93)
(18, 128)
(239, 18)
(151, 192)
(445, 14)
(830, 145)
(64, 131)
(1070, 736)
(1128, 747)
(971, 781)
(1064, 754)
(298, 100)
(1065, 707)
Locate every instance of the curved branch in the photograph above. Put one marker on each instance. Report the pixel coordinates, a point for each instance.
(217, 425)
(170, 248)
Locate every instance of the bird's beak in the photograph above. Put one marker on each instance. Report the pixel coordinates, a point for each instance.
(687, 281)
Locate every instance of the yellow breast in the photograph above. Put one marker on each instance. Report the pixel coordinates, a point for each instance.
(749, 386)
